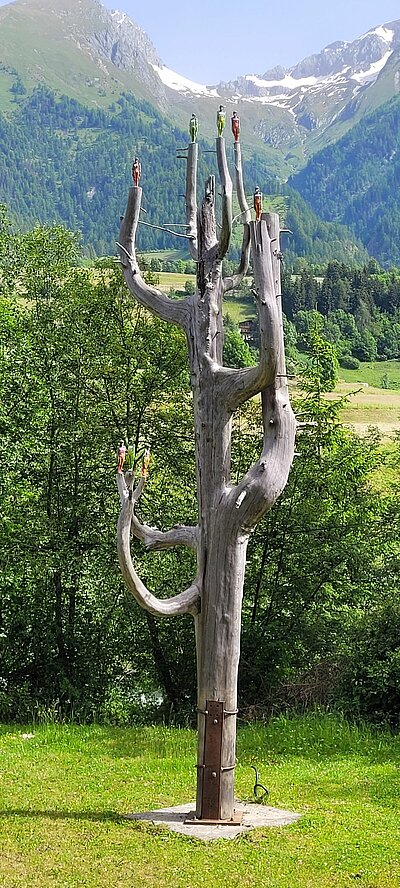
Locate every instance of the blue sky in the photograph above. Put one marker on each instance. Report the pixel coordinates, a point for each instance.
(202, 39)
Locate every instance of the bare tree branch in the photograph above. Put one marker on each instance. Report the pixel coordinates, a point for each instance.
(273, 225)
(172, 310)
(191, 198)
(226, 184)
(231, 282)
(151, 537)
(186, 602)
(239, 182)
(125, 487)
(164, 228)
(237, 386)
(265, 480)
(156, 540)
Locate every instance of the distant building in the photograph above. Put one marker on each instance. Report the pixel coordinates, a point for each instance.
(249, 332)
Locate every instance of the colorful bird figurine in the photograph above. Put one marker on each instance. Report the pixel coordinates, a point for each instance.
(193, 127)
(121, 457)
(221, 120)
(146, 461)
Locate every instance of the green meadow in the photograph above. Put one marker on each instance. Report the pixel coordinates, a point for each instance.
(65, 790)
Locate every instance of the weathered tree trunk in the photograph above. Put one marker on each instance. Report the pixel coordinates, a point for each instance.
(226, 513)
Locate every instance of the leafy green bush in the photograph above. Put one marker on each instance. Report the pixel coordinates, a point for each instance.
(236, 351)
(370, 681)
(349, 362)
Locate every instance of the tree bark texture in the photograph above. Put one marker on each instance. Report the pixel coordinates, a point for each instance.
(227, 513)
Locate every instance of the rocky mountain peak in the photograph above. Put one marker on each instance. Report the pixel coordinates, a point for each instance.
(354, 57)
(121, 41)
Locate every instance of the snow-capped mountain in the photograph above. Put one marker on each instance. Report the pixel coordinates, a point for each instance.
(307, 97)
(93, 55)
(315, 91)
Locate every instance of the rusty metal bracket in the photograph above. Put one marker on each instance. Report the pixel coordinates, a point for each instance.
(212, 768)
(210, 809)
(226, 711)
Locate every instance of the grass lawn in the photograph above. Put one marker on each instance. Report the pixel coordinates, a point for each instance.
(63, 790)
(369, 406)
(165, 255)
(172, 280)
(238, 308)
(374, 373)
(372, 405)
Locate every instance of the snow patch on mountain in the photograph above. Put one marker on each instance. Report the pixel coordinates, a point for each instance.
(182, 84)
(276, 101)
(341, 68)
(287, 82)
(383, 32)
(120, 18)
(372, 72)
(285, 104)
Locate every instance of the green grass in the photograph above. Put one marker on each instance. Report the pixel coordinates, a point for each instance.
(373, 373)
(370, 406)
(172, 280)
(165, 255)
(238, 307)
(64, 789)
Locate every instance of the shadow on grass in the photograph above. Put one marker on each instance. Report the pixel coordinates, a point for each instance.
(95, 816)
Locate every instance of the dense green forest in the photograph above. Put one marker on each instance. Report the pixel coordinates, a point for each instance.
(358, 309)
(61, 162)
(80, 367)
(356, 181)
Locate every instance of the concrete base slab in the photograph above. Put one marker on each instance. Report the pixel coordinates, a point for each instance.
(253, 816)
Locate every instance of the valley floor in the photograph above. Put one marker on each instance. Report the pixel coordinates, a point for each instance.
(370, 407)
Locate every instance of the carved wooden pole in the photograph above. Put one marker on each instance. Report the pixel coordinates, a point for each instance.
(227, 513)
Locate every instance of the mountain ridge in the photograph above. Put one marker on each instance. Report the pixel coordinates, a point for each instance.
(101, 59)
(355, 182)
(288, 112)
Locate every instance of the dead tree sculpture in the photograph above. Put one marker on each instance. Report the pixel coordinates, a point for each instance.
(227, 512)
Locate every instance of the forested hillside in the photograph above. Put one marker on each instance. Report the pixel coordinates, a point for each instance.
(358, 309)
(62, 162)
(356, 181)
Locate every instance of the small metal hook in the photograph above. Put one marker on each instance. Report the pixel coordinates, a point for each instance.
(258, 786)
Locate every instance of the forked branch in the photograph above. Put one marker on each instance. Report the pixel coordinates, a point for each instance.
(186, 602)
(266, 479)
(234, 280)
(165, 308)
(237, 386)
(151, 537)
